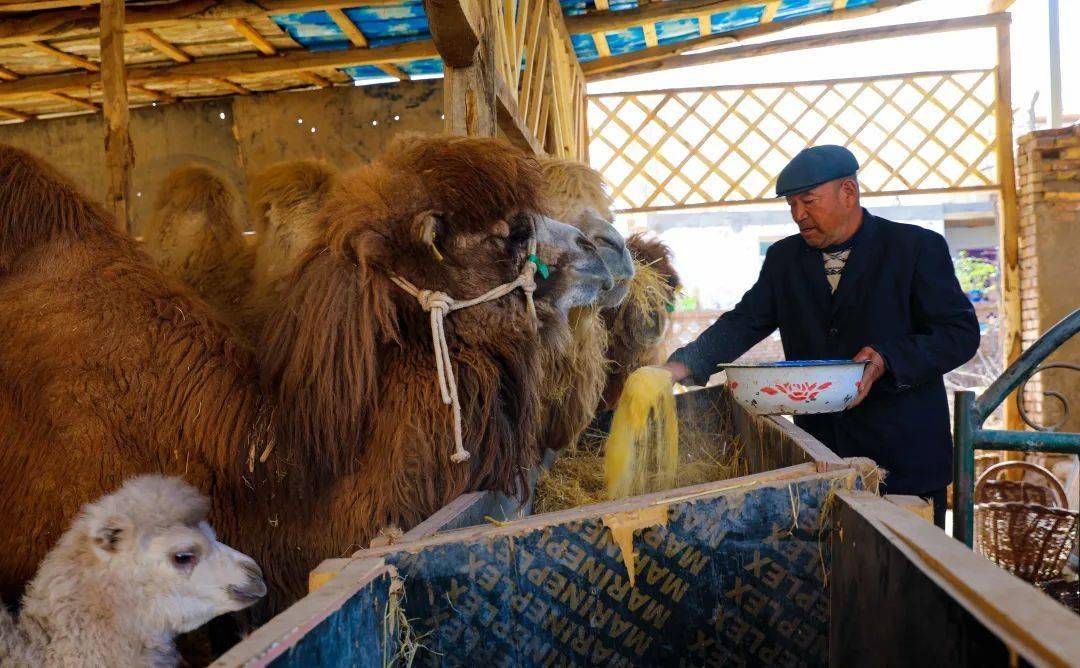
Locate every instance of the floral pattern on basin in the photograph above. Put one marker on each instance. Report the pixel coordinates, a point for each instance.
(798, 391)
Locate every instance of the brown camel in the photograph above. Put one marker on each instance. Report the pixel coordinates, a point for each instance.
(636, 327)
(112, 369)
(195, 234)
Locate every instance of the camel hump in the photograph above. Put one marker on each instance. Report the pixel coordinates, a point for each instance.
(38, 205)
(201, 191)
(572, 186)
(286, 190)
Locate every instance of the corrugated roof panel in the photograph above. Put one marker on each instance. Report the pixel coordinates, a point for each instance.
(676, 30)
(584, 47)
(743, 17)
(625, 41)
(790, 9)
(391, 24)
(419, 67)
(364, 72)
(314, 30)
(573, 7)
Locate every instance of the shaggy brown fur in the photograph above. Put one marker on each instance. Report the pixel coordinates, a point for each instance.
(575, 381)
(195, 234)
(573, 188)
(284, 201)
(349, 360)
(110, 369)
(637, 326)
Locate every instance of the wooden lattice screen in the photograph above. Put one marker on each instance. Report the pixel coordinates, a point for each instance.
(913, 133)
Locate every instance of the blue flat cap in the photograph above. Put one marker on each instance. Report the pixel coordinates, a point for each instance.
(814, 166)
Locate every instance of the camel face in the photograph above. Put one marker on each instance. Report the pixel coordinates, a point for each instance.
(613, 252)
(196, 576)
(151, 537)
(578, 275)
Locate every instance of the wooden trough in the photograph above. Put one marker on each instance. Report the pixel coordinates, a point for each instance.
(794, 564)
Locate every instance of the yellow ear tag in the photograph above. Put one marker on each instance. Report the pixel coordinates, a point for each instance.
(435, 250)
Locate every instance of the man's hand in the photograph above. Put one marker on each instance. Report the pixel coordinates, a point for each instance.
(874, 369)
(678, 371)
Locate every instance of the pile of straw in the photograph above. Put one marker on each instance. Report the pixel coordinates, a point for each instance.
(577, 476)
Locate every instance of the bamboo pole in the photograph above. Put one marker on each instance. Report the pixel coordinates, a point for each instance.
(119, 152)
(1010, 218)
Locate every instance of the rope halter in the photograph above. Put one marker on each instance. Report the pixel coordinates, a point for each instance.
(439, 304)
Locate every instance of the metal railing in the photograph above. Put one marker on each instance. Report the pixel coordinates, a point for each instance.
(971, 413)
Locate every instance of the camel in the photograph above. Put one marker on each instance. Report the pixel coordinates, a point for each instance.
(113, 369)
(135, 569)
(195, 234)
(637, 326)
(284, 201)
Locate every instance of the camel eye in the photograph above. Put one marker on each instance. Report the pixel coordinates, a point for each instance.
(184, 560)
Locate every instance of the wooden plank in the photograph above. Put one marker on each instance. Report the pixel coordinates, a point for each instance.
(960, 592)
(164, 46)
(704, 24)
(74, 101)
(7, 75)
(159, 96)
(71, 23)
(671, 55)
(915, 504)
(456, 28)
(16, 115)
(229, 85)
(349, 28)
(995, 6)
(512, 123)
(282, 633)
(770, 11)
(651, 38)
(684, 9)
(1010, 220)
(119, 152)
(316, 80)
(252, 35)
(63, 55)
(286, 63)
(601, 5)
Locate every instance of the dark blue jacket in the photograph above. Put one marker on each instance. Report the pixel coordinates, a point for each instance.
(899, 295)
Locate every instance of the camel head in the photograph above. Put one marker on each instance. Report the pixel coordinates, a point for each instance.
(575, 194)
(150, 544)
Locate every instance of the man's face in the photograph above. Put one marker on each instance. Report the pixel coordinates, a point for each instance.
(825, 214)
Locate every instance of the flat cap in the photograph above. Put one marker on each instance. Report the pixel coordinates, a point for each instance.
(814, 166)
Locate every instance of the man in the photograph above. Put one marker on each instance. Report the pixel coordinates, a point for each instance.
(852, 285)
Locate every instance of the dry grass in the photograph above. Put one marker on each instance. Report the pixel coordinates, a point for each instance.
(577, 476)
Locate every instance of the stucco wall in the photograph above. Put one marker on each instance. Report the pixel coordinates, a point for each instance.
(236, 135)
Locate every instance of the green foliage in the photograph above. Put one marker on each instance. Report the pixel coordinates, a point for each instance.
(975, 274)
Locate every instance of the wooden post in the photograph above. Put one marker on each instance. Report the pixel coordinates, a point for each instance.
(119, 153)
(464, 34)
(1009, 214)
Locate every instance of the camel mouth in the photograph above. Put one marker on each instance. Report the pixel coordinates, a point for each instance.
(616, 295)
(247, 594)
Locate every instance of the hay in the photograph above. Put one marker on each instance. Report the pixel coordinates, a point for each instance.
(577, 476)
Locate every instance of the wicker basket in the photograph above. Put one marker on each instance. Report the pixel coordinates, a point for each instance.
(1029, 540)
(988, 487)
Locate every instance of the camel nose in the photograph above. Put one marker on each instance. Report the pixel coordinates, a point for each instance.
(253, 589)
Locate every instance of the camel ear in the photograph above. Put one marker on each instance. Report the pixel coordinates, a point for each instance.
(428, 225)
(109, 533)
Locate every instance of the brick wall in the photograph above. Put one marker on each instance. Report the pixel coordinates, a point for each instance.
(1049, 182)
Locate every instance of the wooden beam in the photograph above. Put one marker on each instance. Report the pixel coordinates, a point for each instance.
(601, 5)
(704, 24)
(316, 80)
(65, 56)
(254, 36)
(159, 96)
(512, 123)
(67, 23)
(670, 55)
(348, 27)
(602, 47)
(74, 101)
(769, 14)
(996, 6)
(229, 85)
(651, 38)
(164, 46)
(456, 28)
(684, 9)
(8, 75)
(16, 115)
(222, 68)
(1009, 209)
(119, 152)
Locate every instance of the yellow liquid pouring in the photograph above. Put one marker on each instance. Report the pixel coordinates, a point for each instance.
(642, 451)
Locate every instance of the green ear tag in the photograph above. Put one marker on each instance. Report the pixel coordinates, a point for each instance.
(540, 266)
(669, 307)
